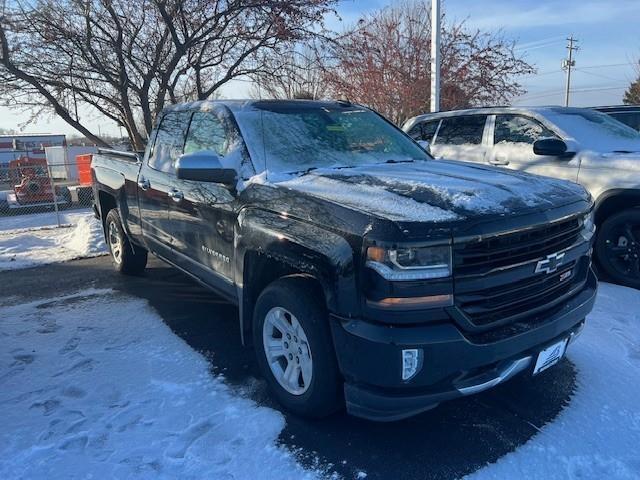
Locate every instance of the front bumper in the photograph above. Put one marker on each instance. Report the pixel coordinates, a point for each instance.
(369, 356)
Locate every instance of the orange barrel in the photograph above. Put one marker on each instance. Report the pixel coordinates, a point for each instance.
(84, 168)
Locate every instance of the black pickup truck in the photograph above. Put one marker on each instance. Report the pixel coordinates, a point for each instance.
(365, 271)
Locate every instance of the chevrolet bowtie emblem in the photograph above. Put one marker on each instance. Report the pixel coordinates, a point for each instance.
(550, 264)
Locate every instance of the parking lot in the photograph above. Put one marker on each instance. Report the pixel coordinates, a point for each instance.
(453, 440)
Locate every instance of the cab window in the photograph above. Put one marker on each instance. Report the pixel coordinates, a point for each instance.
(519, 129)
(169, 142)
(206, 132)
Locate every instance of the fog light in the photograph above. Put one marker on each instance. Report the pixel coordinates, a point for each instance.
(411, 363)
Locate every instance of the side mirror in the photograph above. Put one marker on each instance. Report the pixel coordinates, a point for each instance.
(204, 166)
(425, 145)
(552, 147)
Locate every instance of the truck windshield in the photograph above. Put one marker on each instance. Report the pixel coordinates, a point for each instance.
(288, 137)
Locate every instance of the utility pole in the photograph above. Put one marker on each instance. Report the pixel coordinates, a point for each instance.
(567, 65)
(435, 55)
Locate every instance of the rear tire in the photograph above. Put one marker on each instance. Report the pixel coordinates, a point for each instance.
(618, 247)
(126, 257)
(291, 317)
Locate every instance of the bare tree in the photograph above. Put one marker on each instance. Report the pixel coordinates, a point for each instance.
(297, 74)
(127, 58)
(384, 62)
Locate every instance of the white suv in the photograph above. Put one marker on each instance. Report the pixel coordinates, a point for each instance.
(575, 144)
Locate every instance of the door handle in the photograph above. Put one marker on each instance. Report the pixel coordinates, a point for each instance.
(175, 195)
(498, 161)
(144, 184)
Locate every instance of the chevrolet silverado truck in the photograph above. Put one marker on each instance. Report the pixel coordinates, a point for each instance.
(366, 273)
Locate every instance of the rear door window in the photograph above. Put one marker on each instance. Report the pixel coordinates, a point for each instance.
(519, 129)
(424, 130)
(169, 143)
(464, 130)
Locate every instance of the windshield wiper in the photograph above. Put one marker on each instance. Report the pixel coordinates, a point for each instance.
(340, 167)
(391, 160)
(305, 171)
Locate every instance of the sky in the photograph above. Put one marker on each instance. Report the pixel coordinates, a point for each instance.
(606, 62)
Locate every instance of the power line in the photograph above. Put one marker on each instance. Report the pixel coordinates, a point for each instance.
(599, 75)
(543, 74)
(588, 67)
(609, 65)
(552, 93)
(535, 44)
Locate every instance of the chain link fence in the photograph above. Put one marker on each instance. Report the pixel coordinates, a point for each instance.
(34, 193)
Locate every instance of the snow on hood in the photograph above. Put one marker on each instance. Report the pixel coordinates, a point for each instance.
(434, 191)
(372, 198)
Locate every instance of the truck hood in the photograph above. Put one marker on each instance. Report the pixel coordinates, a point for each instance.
(434, 191)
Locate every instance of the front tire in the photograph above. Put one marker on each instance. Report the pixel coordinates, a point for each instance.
(618, 247)
(126, 257)
(294, 348)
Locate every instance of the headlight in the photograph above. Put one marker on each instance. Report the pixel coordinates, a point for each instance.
(410, 263)
(588, 226)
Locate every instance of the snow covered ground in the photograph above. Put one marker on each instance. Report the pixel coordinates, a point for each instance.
(86, 392)
(31, 240)
(45, 219)
(598, 433)
(89, 392)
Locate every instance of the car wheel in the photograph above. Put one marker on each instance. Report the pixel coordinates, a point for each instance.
(4, 208)
(127, 258)
(294, 347)
(618, 247)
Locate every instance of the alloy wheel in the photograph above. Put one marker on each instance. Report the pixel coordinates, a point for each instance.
(287, 350)
(115, 242)
(623, 249)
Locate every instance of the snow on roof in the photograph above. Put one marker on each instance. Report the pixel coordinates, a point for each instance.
(236, 105)
(482, 111)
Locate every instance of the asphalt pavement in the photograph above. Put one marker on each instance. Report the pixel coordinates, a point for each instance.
(452, 440)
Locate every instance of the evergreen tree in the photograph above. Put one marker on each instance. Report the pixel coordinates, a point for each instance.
(632, 95)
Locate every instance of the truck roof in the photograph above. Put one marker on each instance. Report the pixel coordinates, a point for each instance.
(617, 108)
(239, 104)
(496, 110)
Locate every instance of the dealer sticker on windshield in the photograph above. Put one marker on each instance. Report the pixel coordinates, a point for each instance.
(550, 356)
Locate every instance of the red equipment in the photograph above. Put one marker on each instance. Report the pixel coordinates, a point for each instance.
(33, 184)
